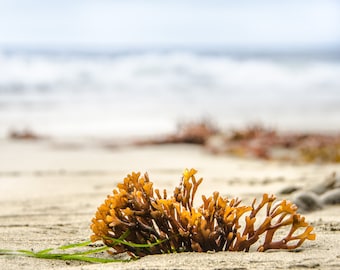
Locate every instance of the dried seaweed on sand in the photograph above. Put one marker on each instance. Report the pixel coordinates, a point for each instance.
(140, 220)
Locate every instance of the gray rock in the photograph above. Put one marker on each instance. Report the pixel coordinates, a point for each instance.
(307, 201)
(331, 197)
(289, 190)
(331, 182)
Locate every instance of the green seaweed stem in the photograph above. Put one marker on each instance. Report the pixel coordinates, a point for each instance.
(54, 253)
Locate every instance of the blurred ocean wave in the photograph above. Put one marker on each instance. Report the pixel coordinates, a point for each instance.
(148, 93)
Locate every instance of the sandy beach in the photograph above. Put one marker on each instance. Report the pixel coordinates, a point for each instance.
(50, 190)
(246, 94)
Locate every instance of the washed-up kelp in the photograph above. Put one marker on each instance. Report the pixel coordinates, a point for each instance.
(140, 220)
(260, 142)
(256, 141)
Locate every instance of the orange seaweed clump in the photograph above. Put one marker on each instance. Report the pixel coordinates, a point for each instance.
(140, 220)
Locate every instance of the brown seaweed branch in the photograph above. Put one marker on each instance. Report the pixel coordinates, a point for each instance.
(142, 221)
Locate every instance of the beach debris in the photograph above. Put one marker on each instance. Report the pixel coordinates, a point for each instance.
(25, 134)
(255, 141)
(140, 220)
(317, 196)
(331, 197)
(308, 201)
(329, 183)
(259, 142)
(191, 133)
(289, 190)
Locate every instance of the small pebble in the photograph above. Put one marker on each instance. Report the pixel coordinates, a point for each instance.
(307, 201)
(329, 183)
(331, 197)
(289, 190)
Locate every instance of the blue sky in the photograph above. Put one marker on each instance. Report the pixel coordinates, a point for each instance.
(135, 23)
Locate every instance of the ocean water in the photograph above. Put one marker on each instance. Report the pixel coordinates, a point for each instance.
(151, 92)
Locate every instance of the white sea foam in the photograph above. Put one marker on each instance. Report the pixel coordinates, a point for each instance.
(148, 93)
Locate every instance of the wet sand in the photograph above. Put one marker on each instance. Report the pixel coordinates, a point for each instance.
(49, 192)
